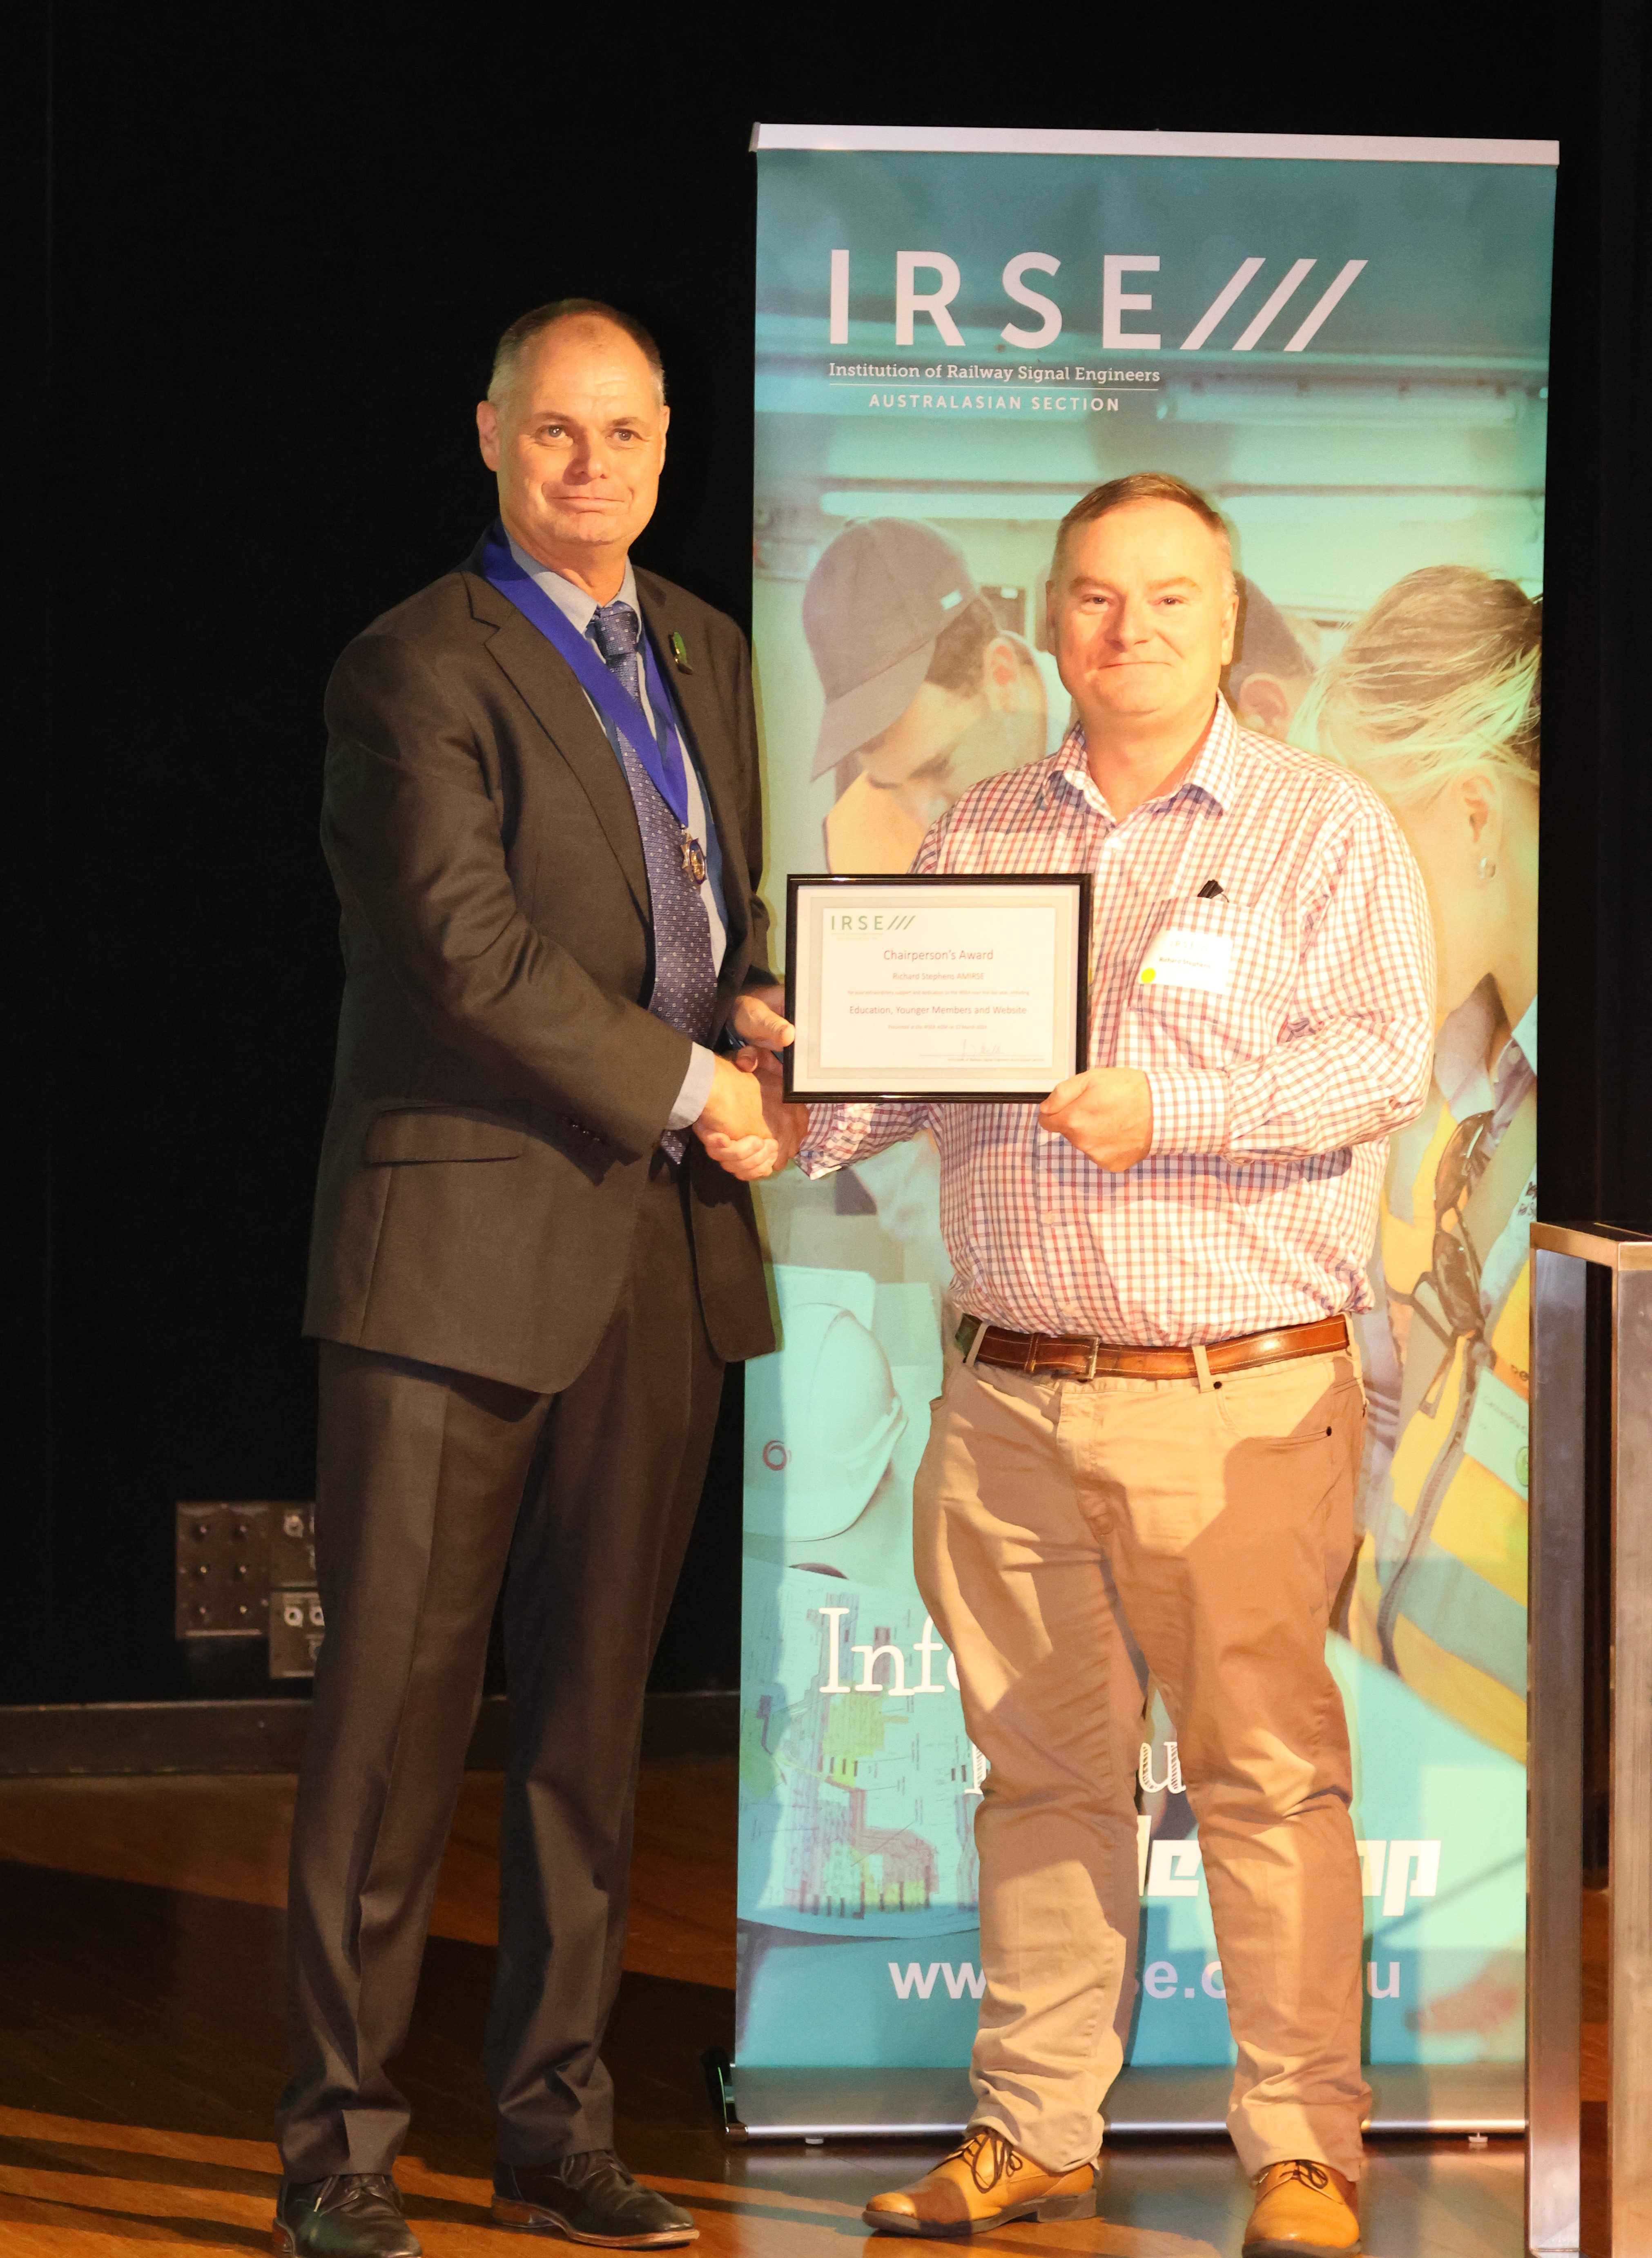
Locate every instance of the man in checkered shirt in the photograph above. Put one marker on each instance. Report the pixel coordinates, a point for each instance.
(1144, 1463)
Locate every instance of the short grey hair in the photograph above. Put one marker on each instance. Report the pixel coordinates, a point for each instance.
(1144, 486)
(527, 327)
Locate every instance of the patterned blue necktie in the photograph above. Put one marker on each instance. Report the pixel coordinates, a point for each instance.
(685, 991)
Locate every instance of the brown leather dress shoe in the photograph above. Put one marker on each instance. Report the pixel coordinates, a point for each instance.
(1302, 2210)
(985, 2184)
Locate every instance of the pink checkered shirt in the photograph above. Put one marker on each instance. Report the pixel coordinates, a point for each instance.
(1273, 1101)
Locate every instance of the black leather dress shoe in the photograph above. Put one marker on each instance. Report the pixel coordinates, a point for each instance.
(352, 2215)
(588, 2198)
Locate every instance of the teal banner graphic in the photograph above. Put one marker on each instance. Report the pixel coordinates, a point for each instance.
(1345, 345)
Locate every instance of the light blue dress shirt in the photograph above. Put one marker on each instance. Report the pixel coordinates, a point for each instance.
(577, 605)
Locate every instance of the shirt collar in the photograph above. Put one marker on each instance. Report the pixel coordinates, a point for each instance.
(1459, 1053)
(1215, 765)
(1213, 772)
(1515, 1071)
(1524, 1038)
(1467, 1085)
(575, 604)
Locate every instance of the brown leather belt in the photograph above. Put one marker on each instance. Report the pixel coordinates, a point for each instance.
(1086, 1359)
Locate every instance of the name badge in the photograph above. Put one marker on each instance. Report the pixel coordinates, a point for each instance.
(1183, 957)
(1499, 1435)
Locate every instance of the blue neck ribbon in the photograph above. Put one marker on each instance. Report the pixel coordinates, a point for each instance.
(659, 749)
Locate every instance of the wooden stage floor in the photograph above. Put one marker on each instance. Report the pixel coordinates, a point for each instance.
(141, 2051)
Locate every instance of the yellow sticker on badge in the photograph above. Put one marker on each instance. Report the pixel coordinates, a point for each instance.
(1187, 957)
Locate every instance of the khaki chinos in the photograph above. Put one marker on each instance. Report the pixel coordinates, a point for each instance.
(1072, 1538)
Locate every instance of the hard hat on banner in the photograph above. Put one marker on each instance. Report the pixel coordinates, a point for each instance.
(822, 1418)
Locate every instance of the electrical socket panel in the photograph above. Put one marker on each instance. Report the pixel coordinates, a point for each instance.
(221, 1587)
(247, 1569)
(295, 1633)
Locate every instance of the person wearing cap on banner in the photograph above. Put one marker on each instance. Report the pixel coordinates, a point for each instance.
(925, 693)
(1144, 1460)
(541, 817)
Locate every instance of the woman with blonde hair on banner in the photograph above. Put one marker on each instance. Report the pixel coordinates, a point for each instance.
(1435, 700)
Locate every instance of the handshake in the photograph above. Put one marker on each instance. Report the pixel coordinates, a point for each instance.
(746, 1127)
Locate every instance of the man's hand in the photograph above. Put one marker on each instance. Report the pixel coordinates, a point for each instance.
(759, 1016)
(729, 1136)
(726, 1128)
(1106, 1114)
(734, 1127)
(788, 1124)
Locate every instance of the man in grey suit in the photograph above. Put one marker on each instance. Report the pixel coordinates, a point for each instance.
(527, 1273)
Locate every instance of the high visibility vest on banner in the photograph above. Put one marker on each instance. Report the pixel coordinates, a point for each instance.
(1440, 1591)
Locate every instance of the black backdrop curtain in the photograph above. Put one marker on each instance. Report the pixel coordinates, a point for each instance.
(283, 241)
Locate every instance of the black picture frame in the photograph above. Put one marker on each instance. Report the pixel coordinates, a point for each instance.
(1080, 882)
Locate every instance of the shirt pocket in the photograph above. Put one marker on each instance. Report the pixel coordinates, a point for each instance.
(1211, 985)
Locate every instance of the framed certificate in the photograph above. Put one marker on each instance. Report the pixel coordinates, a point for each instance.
(962, 988)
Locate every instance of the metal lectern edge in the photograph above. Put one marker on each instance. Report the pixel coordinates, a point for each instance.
(1554, 1773)
(1629, 2010)
(1563, 1255)
(1606, 1244)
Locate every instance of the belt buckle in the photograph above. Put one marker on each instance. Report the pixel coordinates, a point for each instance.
(1095, 1350)
(1030, 1362)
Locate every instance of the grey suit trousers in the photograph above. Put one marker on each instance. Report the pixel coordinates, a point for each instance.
(432, 1486)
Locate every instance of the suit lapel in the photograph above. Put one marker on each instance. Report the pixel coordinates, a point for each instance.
(697, 701)
(549, 688)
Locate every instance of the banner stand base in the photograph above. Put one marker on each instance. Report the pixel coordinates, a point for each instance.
(911, 2105)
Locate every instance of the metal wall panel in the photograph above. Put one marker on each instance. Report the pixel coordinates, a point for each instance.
(1589, 2181)
(1629, 1998)
(1554, 1947)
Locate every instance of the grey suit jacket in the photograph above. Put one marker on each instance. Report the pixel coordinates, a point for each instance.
(499, 1086)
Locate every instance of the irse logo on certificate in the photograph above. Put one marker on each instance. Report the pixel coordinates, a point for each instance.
(949, 988)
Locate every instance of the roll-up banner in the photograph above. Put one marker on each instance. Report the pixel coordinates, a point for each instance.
(1343, 342)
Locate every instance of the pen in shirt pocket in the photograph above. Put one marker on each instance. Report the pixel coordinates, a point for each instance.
(1210, 892)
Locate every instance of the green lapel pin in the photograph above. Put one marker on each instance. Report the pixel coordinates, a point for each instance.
(679, 653)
